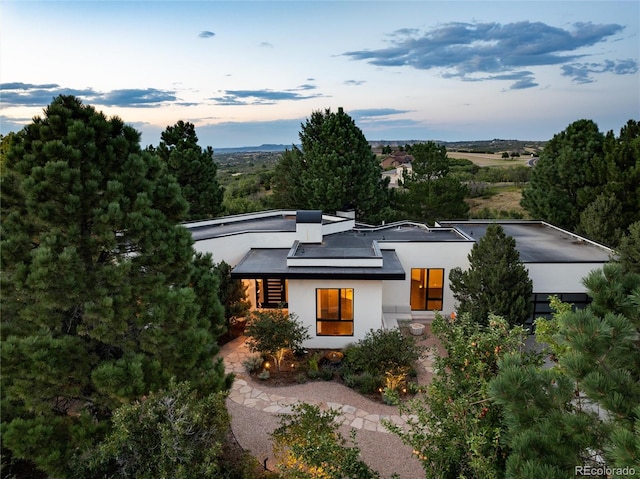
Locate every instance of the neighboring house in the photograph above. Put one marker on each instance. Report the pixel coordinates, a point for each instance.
(342, 279)
(396, 159)
(396, 174)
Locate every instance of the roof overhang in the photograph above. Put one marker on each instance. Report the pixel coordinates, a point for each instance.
(272, 263)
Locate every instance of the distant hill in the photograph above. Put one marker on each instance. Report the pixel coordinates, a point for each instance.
(472, 146)
(253, 149)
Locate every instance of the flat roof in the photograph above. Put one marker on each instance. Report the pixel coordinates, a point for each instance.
(540, 242)
(272, 263)
(395, 232)
(278, 222)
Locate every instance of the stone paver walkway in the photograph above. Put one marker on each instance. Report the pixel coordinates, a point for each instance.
(245, 393)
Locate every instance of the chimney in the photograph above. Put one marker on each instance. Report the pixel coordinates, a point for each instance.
(350, 214)
(309, 226)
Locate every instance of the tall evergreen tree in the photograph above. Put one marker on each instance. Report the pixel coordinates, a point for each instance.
(629, 249)
(570, 174)
(496, 282)
(335, 169)
(194, 169)
(102, 300)
(586, 406)
(429, 193)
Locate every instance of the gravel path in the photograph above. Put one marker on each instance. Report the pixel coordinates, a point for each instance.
(254, 407)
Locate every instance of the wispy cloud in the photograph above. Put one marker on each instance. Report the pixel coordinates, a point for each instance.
(466, 50)
(265, 45)
(583, 72)
(354, 82)
(28, 94)
(264, 97)
(375, 112)
(206, 34)
(146, 97)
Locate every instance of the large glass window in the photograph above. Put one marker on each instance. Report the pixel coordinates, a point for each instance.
(542, 304)
(427, 289)
(271, 293)
(334, 312)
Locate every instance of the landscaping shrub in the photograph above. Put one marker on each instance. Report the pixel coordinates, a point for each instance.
(327, 372)
(368, 383)
(274, 332)
(381, 351)
(253, 363)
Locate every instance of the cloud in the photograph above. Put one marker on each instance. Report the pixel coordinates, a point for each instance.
(136, 98)
(466, 50)
(264, 97)
(206, 34)
(28, 94)
(265, 45)
(375, 112)
(583, 72)
(354, 82)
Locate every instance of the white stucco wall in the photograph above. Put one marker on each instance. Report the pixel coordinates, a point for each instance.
(233, 248)
(367, 308)
(447, 255)
(559, 277)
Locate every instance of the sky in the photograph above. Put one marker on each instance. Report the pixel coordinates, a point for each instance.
(248, 73)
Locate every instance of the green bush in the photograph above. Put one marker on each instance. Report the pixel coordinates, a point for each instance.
(252, 363)
(382, 351)
(391, 396)
(327, 372)
(368, 383)
(274, 332)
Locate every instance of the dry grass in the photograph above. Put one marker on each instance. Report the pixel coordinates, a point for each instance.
(506, 199)
(487, 159)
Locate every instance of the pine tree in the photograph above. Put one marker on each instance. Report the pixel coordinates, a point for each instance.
(570, 174)
(584, 410)
(194, 169)
(629, 249)
(496, 282)
(455, 429)
(429, 193)
(335, 169)
(99, 303)
(233, 296)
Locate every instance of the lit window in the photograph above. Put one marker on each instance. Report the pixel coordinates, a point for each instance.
(334, 312)
(427, 289)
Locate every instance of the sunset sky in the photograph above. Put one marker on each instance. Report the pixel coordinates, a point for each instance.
(247, 73)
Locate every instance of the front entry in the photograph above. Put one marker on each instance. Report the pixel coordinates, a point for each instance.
(271, 293)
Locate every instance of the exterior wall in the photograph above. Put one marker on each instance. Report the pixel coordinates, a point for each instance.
(367, 308)
(447, 255)
(234, 247)
(560, 277)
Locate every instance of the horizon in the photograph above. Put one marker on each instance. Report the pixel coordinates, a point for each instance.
(250, 73)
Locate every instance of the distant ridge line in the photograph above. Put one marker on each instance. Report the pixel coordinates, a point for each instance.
(496, 143)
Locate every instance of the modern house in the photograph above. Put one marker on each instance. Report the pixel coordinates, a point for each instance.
(342, 278)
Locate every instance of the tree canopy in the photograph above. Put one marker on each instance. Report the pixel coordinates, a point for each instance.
(334, 169)
(496, 282)
(194, 168)
(428, 191)
(102, 299)
(588, 182)
(454, 428)
(584, 410)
